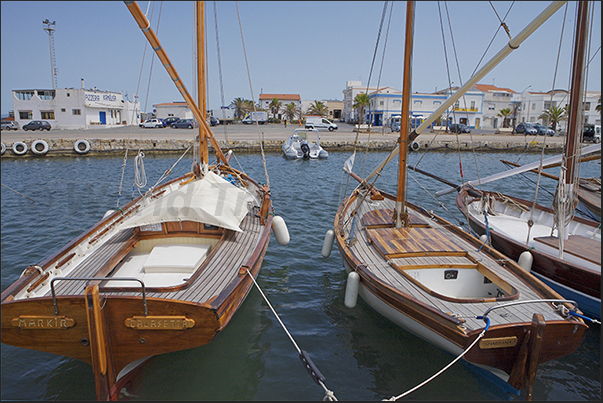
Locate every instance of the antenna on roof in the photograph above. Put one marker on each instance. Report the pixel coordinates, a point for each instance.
(49, 28)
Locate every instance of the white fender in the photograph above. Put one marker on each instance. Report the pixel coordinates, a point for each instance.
(483, 238)
(81, 146)
(108, 213)
(39, 147)
(415, 146)
(525, 260)
(19, 148)
(281, 233)
(351, 290)
(3, 148)
(328, 243)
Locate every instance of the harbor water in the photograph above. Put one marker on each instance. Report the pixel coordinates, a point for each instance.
(362, 355)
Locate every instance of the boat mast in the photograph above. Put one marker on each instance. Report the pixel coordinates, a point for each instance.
(400, 215)
(575, 119)
(145, 27)
(200, 16)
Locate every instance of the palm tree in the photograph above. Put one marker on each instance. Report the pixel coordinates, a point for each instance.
(361, 101)
(554, 115)
(290, 111)
(318, 108)
(275, 106)
(598, 107)
(505, 113)
(239, 106)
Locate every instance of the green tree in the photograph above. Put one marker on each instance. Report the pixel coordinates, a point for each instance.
(318, 108)
(361, 101)
(290, 111)
(505, 113)
(275, 106)
(240, 107)
(554, 115)
(598, 107)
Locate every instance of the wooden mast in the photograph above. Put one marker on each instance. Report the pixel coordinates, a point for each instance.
(400, 214)
(145, 27)
(200, 17)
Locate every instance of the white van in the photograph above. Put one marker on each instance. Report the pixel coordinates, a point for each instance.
(318, 122)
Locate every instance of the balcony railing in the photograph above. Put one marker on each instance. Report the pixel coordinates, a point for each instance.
(465, 109)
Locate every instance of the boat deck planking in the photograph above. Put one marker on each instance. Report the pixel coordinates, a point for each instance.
(380, 268)
(217, 271)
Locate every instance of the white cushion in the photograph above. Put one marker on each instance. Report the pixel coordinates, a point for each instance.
(175, 258)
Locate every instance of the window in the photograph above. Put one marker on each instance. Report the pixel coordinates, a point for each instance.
(457, 104)
(491, 107)
(380, 103)
(63, 109)
(437, 103)
(472, 104)
(76, 111)
(418, 103)
(533, 107)
(586, 106)
(24, 95)
(26, 115)
(46, 95)
(47, 114)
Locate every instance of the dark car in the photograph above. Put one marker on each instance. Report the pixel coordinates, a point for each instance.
(459, 128)
(542, 130)
(37, 125)
(183, 124)
(172, 119)
(213, 121)
(526, 128)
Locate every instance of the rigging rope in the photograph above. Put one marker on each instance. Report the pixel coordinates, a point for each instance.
(220, 74)
(314, 373)
(251, 89)
(140, 177)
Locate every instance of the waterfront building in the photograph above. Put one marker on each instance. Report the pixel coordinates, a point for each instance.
(70, 108)
(178, 109)
(496, 99)
(284, 99)
(353, 88)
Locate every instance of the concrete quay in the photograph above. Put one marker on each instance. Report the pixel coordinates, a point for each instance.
(247, 138)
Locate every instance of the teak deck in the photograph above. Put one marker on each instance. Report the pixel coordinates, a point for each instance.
(217, 271)
(379, 244)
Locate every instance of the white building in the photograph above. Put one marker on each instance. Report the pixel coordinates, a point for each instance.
(179, 109)
(534, 103)
(353, 88)
(495, 99)
(70, 108)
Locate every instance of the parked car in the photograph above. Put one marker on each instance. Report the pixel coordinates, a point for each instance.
(151, 123)
(10, 125)
(459, 128)
(169, 120)
(542, 130)
(526, 128)
(37, 125)
(213, 121)
(183, 124)
(163, 124)
(592, 133)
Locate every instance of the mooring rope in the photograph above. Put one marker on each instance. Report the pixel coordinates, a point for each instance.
(304, 357)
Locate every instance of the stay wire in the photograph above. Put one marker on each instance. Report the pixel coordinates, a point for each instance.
(252, 98)
(328, 393)
(220, 74)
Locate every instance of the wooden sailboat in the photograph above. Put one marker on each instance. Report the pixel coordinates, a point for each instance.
(435, 280)
(163, 273)
(561, 249)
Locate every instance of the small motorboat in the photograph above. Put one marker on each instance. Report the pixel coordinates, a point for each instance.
(298, 146)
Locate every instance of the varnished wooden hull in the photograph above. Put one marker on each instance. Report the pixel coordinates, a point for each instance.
(111, 328)
(442, 328)
(583, 283)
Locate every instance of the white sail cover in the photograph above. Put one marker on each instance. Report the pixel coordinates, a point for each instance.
(211, 200)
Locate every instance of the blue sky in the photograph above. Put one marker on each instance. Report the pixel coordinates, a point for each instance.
(309, 48)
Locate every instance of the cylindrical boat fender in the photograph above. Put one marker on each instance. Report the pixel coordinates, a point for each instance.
(328, 243)
(351, 289)
(19, 148)
(483, 238)
(414, 146)
(108, 213)
(525, 260)
(3, 148)
(281, 233)
(81, 146)
(39, 147)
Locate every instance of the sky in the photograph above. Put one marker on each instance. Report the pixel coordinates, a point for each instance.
(310, 48)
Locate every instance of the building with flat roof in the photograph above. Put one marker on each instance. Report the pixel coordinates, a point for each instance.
(70, 108)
